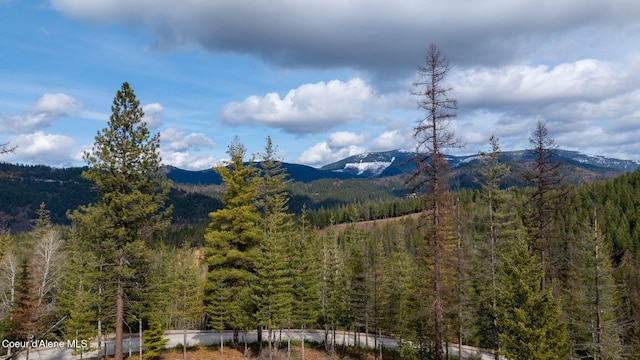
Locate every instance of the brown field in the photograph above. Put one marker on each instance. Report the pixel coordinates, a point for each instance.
(206, 353)
(366, 225)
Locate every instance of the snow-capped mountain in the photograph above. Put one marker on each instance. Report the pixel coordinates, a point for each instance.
(389, 163)
(374, 164)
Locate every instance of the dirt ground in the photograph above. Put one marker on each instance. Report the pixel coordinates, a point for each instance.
(205, 353)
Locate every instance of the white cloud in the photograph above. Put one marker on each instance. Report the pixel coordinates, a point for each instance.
(41, 148)
(181, 150)
(325, 152)
(153, 115)
(187, 161)
(310, 108)
(174, 139)
(346, 138)
(48, 108)
(586, 79)
(392, 140)
(56, 105)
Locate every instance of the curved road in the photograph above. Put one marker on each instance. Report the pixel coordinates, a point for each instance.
(132, 344)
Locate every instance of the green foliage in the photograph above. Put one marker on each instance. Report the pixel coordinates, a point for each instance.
(593, 298)
(124, 165)
(304, 265)
(232, 244)
(492, 225)
(264, 269)
(187, 289)
(6, 241)
(154, 341)
(273, 287)
(528, 318)
(331, 291)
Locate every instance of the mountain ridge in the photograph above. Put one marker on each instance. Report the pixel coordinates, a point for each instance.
(403, 162)
(367, 177)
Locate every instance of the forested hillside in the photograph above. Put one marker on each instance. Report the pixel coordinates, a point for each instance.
(547, 270)
(372, 280)
(195, 193)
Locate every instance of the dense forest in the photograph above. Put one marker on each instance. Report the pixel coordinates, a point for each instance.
(546, 270)
(359, 280)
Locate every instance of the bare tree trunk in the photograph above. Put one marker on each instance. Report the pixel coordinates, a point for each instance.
(184, 343)
(140, 338)
(118, 355)
(303, 342)
(597, 286)
(437, 282)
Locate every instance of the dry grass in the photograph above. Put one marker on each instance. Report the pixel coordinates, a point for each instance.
(367, 225)
(213, 353)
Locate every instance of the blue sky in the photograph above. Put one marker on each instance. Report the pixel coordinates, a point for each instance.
(325, 79)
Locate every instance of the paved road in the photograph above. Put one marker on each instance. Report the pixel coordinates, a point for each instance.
(132, 344)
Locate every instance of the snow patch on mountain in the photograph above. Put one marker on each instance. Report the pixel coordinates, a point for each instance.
(375, 168)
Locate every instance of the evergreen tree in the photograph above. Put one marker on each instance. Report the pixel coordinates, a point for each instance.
(274, 290)
(434, 138)
(331, 291)
(355, 278)
(29, 316)
(593, 298)
(397, 284)
(492, 174)
(528, 318)
(375, 286)
(124, 164)
(304, 277)
(187, 292)
(154, 341)
(232, 245)
(78, 300)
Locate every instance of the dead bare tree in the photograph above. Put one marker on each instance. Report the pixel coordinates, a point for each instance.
(434, 136)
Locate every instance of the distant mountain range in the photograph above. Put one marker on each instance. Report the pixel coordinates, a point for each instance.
(390, 163)
(398, 162)
(367, 177)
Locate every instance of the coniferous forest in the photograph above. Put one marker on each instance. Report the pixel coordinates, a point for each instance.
(543, 271)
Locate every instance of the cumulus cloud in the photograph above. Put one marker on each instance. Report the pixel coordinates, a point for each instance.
(586, 79)
(392, 140)
(573, 98)
(175, 139)
(48, 108)
(322, 153)
(181, 150)
(153, 115)
(56, 105)
(310, 108)
(346, 138)
(339, 145)
(188, 161)
(41, 148)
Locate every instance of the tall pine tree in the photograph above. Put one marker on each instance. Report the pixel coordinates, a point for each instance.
(124, 164)
(304, 277)
(274, 289)
(233, 245)
(593, 297)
